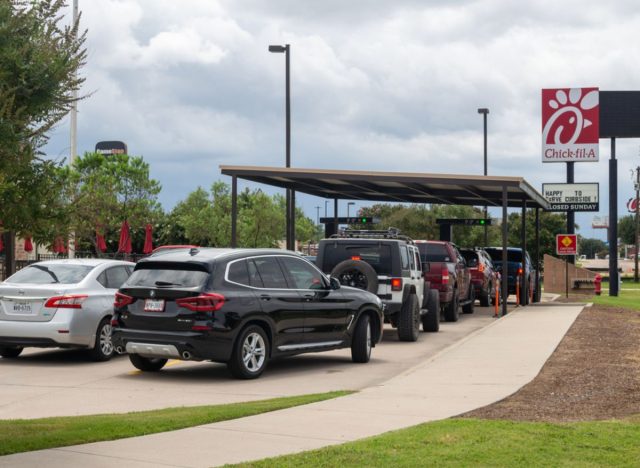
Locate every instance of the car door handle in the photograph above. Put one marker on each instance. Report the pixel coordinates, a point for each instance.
(265, 297)
(308, 297)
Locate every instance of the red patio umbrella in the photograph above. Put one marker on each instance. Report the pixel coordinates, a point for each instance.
(101, 245)
(58, 246)
(125, 239)
(148, 241)
(1, 243)
(28, 246)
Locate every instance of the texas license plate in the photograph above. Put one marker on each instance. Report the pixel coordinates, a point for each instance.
(154, 305)
(22, 308)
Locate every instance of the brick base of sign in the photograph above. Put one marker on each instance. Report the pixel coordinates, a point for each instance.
(580, 279)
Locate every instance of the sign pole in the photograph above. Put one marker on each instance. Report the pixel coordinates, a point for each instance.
(571, 216)
(566, 277)
(613, 221)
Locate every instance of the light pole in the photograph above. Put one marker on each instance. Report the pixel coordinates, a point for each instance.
(318, 215)
(348, 206)
(325, 207)
(291, 197)
(484, 111)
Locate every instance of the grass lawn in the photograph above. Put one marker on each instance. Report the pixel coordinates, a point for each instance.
(462, 442)
(628, 296)
(23, 435)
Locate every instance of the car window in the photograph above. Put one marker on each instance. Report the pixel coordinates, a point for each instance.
(471, 258)
(434, 252)
(116, 276)
(51, 274)
(254, 277)
(412, 260)
(102, 279)
(376, 255)
(404, 257)
(270, 272)
(238, 272)
(416, 258)
(155, 274)
(303, 275)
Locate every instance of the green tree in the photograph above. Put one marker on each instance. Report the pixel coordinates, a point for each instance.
(103, 191)
(627, 229)
(550, 225)
(39, 61)
(591, 247)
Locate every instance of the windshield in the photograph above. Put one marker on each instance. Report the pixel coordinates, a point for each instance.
(51, 274)
(471, 258)
(166, 275)
(512, 255)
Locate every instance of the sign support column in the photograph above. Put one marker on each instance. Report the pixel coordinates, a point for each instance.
(571, 216)
(613, 221)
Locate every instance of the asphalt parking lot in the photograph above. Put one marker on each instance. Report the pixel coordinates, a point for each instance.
(42, 383)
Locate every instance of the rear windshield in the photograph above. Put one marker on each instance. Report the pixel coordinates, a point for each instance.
(376, 255)
(512, 255)
(51, 274)
(470, 257)
(434, 253)
(159, 275)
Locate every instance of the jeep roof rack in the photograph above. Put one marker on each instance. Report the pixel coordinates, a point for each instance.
(390, 233)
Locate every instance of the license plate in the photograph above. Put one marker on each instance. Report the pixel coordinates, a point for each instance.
(22, 308)
(154, 305)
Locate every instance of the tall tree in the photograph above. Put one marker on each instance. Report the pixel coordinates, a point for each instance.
(104, 191)
(39, 61)
(592, 247)
(627, 229)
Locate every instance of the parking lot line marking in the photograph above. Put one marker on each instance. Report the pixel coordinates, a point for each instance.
(171, 362)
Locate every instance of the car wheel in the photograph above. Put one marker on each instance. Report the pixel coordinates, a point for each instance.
(250, 354)
(9, 352)
(103, 347)
(485, 296)
(409, 319)
(451, 310)
(357, 274)
(361, 342)
(469, 307)
(431, 320)
(147, 364)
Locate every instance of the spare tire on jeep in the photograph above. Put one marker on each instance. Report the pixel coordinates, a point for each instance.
(357, 274)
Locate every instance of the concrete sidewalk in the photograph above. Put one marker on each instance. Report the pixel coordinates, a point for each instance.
(485, 367)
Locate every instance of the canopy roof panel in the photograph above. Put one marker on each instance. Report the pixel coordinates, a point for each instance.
(406, 187)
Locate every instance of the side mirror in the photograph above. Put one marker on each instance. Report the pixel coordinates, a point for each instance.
(334, 283)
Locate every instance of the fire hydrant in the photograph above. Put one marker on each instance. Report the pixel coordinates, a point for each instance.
(597, 282)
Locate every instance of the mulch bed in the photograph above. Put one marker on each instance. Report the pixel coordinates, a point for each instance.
(594, 374)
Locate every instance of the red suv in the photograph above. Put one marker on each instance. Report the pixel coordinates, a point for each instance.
(484, 278)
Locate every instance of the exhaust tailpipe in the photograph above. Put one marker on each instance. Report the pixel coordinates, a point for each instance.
(186, 355)
(119, 350)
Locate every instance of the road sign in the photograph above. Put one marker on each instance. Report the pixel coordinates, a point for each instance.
(465, 221)
(566, 244)
(570, 124)
(572, 197)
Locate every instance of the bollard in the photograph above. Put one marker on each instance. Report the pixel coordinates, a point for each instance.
(597, 282)
(497, 307)
(518, 291)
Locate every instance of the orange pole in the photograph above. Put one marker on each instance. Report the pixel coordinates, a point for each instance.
(497, 307)
(518, 291)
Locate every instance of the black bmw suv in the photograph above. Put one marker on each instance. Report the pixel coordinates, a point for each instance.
(240, 307)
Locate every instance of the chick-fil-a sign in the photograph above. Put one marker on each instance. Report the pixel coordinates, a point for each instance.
(570, 124)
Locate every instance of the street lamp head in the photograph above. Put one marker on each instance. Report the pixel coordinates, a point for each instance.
(278, 49)
(483, 110)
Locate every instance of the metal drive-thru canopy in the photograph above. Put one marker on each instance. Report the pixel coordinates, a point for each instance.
(405, 187)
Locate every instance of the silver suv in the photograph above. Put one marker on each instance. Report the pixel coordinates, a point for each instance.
(385, 263)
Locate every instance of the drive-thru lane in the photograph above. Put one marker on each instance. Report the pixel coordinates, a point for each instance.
(43, 383)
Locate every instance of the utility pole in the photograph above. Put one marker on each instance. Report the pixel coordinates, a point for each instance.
(74, 135)
(637, 230)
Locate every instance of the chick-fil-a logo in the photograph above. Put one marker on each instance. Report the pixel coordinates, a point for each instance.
(570, 124)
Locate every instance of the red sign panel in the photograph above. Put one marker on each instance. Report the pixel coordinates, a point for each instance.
(570, 124)
(567, 244)
(632, 204)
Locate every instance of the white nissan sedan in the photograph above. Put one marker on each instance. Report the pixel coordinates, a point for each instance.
(61, 304)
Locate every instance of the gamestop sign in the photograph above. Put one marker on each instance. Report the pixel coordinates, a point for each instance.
(570, 124)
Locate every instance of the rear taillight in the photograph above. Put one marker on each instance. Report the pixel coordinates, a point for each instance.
(445, 275)
(122, 300)
(206, 302)
(356, 258)
(68, 301)
(481, 267)
(396, 284)
(519, 271)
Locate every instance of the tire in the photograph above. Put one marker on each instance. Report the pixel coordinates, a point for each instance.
(409, 319)
(431, 320)
(485, 297)
(361, 342)
(103, 346)
(357, 274)
(469, 307)
(250, 353)
(147, 364)
(451, 309)
(10, 352)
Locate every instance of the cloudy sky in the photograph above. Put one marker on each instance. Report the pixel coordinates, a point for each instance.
(378, 85)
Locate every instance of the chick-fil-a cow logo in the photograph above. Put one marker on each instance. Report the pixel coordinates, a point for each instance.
(570, 124)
